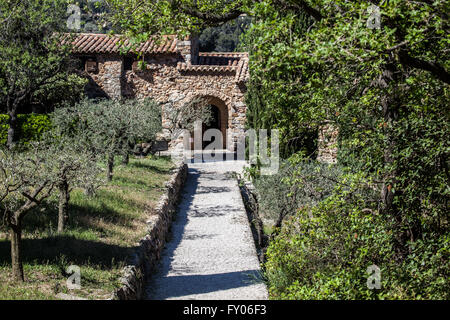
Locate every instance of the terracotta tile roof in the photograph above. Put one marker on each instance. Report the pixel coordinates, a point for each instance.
(224, 54)
(216, 62)
(208, 68)
(243, 72)
(219, 58)
(100, 43)
(220, 62)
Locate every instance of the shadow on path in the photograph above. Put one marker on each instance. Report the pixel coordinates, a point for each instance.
(197, 284)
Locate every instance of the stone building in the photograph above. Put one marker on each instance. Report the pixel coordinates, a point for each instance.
(175, 73)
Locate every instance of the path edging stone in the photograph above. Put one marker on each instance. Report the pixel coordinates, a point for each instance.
(150, 247)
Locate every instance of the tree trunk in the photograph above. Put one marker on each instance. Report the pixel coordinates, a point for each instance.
(63, 209)
(391, 117)
(89, 191)
(390, 114)
(12, 130)
(126, 159)
(110, 168)
(16, 258)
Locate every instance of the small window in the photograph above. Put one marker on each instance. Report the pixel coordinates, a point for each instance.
(128, 63)
(91, 65)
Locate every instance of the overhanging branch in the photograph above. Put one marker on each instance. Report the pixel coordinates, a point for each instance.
(430, 66)
(210, 17)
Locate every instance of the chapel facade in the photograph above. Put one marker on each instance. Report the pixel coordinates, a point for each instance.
(174, 74)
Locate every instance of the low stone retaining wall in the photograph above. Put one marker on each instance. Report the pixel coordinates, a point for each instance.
(256, 224)
(150, 247)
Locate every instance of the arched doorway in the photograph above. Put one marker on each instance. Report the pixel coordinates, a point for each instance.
(219, 121)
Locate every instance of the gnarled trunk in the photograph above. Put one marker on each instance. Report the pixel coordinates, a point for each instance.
(63, 208)
(16, 254)
(126, 159)
(110, 167)
(390, 114)
(391, 117)
(12, 130)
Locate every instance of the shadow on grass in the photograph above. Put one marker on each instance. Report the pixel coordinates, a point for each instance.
(90, 220)
(75, 251)
(142, 184)
(147, 166)
(84, 217)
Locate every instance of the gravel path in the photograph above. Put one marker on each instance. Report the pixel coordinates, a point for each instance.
(211, 254)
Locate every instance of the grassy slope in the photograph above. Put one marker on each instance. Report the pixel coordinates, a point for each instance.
(100, 235)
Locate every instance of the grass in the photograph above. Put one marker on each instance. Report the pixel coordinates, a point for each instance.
(101, 234)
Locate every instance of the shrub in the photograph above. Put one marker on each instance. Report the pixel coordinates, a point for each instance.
(323, 251)
(31, 127)
(298, 184)
(112, 127)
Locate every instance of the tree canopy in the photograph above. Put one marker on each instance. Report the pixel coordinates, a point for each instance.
(34, 67)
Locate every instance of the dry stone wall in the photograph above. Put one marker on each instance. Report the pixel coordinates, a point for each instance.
(150, 247)
(176, 73)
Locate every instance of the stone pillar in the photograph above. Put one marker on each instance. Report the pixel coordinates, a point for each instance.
(327, 143)
(189, 49)
(238, 118)
(113, 71)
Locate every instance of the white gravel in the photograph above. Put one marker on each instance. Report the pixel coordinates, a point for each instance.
(211, 254)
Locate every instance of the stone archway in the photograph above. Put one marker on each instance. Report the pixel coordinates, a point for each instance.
(220, 119)
(223, 106)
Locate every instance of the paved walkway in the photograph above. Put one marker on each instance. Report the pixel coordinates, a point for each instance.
(211, 254)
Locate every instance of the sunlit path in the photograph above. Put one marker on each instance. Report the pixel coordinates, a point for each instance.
(211, 254)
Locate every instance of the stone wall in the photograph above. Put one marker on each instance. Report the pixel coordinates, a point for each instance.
(150, 247)
(327, 143)
(106, 80)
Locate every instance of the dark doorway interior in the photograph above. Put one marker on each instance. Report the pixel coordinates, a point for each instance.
(213, 124)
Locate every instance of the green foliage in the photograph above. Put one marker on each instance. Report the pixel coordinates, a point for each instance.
(111, 127)
(298, 184)
(66, 90)
(142, 19)
(91, 13)
(35, 67)
(386, 90)
(179, 119)
(323, 252)
(100, 235)
(274, 88)
(31, 127)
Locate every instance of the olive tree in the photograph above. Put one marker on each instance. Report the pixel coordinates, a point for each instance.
(179, 119)
(34, 65)
(26, 180)
(113, 127)
(76, 163)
